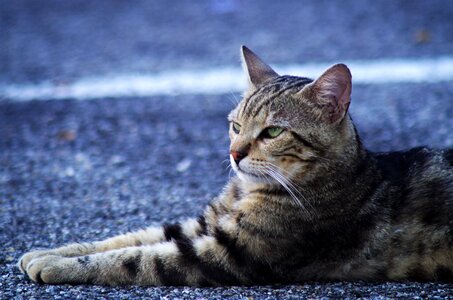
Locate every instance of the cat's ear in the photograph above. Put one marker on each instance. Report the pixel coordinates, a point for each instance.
(257, 70)
(332, 91)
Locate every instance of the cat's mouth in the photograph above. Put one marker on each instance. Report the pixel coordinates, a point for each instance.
(250, 174)
(240, 170)
(252, 177)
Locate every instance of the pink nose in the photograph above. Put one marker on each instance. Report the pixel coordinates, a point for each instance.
(237, 156)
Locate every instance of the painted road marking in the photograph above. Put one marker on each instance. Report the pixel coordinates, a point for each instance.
(225, 80)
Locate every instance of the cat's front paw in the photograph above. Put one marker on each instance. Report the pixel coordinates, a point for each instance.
(29, 256)
(46, 269)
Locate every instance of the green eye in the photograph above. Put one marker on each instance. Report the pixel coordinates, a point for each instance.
(236, 127)
(273, 132)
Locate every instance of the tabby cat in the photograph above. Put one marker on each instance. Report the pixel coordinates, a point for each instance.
(309, 202)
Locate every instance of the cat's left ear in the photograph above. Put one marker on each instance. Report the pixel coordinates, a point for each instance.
(333, 92)
(257, 70)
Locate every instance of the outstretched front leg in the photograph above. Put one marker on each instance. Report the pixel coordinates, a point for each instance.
(205, 260)
(196, 252)
(152, 235)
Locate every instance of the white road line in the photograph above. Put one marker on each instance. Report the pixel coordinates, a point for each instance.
(225, 80)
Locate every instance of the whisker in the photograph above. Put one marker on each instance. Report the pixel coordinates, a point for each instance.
(291, 187)
(263, 174)
(236, 100)
(280, 170)
(229, 173)
(227, 162)
(290, 183)
(279, 178)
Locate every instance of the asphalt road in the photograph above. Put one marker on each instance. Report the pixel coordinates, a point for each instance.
(84, 170)
(64, 40)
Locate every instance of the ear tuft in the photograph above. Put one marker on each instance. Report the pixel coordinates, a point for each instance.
(258, 71)
(333, 91)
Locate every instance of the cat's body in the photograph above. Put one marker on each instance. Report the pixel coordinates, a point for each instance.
(309, 203)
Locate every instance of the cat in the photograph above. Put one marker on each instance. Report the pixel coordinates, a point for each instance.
(308, 202)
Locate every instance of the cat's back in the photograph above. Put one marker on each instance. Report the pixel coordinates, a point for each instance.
(420, 190)
(420, 182)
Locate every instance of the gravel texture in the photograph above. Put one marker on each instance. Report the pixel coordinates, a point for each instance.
(79, 171)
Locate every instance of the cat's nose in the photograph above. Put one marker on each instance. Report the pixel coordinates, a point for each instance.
(237, 156)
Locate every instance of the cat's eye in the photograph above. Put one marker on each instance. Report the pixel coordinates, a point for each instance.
(272, 132)
(236, 127)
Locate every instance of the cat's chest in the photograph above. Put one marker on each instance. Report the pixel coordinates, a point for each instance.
(265, 217)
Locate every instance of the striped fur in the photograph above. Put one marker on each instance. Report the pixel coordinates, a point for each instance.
(308, 204)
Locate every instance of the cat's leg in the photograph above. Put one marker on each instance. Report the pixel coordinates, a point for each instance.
(191, 228)
(205, 260)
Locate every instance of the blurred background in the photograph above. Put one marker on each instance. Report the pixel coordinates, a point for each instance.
(113, 113)
(66, 40)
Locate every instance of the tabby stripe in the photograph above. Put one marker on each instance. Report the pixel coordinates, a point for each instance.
(172, 231)
(167, 274)
(260, 90)
(132, 265)
(188, 253)
(295, 156)
(213, 208)
(270, 192)
(293, 147)
(184, 244)
(272, 97)
(300, 139)
(210, 272)
(248, 100)
(236, 192)
(83, 260)
(256, 107)
(317, 145)
(230, 245)
(260, 272)
(203, 226)
(216, 274)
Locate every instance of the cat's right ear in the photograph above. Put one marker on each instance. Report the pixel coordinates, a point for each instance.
(257, 70)
(332, 91)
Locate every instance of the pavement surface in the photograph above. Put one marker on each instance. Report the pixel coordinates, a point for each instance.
(75, 170)
(64, 40)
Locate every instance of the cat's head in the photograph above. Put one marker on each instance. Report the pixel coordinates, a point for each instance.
(290, 129)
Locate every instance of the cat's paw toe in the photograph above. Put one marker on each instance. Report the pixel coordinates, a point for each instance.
(28, 257)
(45, 269)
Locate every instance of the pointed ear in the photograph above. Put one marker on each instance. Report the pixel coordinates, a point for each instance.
(257, 70)
(332, 91)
